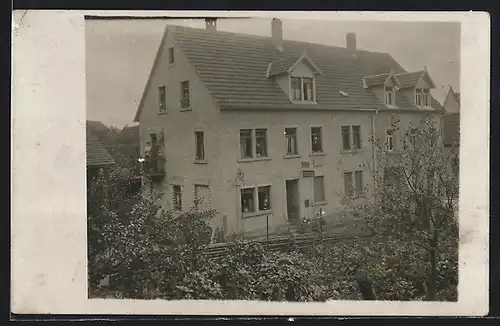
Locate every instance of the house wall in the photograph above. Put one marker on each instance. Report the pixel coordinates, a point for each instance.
(450, 104)
(276, 169)
(178, 126)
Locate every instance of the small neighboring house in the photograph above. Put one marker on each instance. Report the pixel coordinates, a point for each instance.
(264, 129)
(451, 121)
(98, 158)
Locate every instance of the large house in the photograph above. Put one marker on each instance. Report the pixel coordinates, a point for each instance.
(268, 130)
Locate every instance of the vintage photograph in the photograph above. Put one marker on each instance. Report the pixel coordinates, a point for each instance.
(272, 159)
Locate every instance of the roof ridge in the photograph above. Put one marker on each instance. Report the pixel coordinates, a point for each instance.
(238, 34)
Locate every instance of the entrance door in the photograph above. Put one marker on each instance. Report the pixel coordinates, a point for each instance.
(292, 200)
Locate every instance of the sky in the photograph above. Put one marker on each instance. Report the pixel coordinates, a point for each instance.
(120, 53)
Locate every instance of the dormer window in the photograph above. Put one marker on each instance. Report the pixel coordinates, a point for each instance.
(302, 89)
(422, 97)
(389, 95)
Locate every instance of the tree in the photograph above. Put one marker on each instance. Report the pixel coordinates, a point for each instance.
(415, 196)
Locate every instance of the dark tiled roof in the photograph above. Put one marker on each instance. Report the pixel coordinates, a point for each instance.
(97, 155)
(408, 80)
(233, 68)
(451, 129)
(281, 65)
(376, 80)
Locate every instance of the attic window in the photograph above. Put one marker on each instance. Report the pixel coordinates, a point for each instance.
(171, 58)
(422, 97)
(343, 93)
(389, 95)
(302, 89)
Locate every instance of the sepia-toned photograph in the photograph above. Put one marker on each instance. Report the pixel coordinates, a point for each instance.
(272, 159)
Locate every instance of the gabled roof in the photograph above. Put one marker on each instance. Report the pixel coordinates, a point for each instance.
(451, 129)
(411, 79)
(233, 69)
(380, 79)
(288, 64)
(97, 155)
(455, 95)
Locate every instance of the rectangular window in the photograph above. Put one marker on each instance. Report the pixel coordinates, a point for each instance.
(316, 141)
(260, 142)
(319, 189)
(162, 99)
(426, 97)
(247, 198)
(389, 139)
(307, 84)
(348, 188)
(296, 92)
(200, 145)
(389, 96)
(246, 143)
(418, 97)
(291, 141)
(358, 182)
(177, 197)
(346, 138)
(185, 94)
(356, 137)
(171, 58)
(264, 198)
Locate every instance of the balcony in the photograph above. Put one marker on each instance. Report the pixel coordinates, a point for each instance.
(154, 168)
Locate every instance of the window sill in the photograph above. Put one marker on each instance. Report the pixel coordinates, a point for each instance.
(256, 214)
(292, 156)
(304, 102)
(200, 162)
(318, 154)
(162, 113)
(254, 159)
(186, 109)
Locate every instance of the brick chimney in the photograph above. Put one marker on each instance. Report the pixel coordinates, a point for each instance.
(277, 33)
(211, 24)
(350, 40)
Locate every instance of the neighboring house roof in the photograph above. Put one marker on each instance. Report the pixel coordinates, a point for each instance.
(451, 129)
(457, 97)
(98, 129)
(97, 155)
(233, 68)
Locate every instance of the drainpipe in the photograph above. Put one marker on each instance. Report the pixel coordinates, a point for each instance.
(374, 156)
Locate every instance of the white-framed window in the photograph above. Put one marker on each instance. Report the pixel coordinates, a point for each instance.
(426, 98)
(418, 97)
(253, 143)
(199, 137)
(291, 141)
(302, 89)
(353, 183)
(255, 199)
(351, 137)
(389, 140)
(319, 189)
(171, 56)
(316, 140)
(389, 95)
(202, 197)
(177, 197)
(162, 99)
(185, 96)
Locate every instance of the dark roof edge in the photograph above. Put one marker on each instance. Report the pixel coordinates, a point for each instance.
(252, 108)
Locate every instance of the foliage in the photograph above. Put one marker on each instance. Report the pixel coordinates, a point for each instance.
(415, 199)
